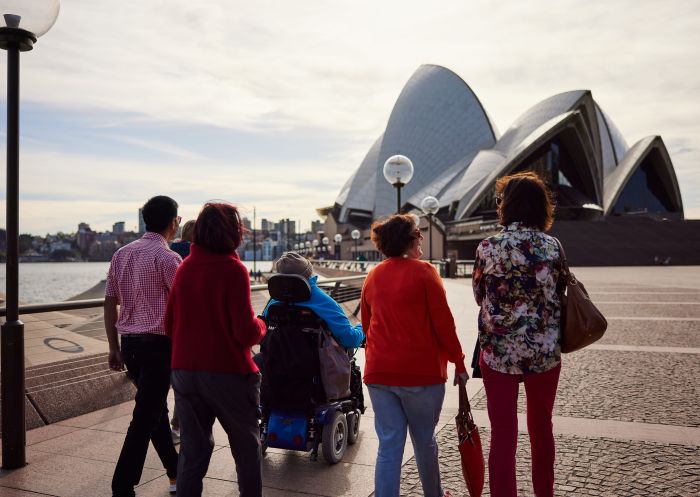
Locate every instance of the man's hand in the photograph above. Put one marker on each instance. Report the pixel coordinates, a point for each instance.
(461, 378)
(115, 360)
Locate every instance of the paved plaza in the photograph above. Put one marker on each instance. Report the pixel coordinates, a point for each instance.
(627, 416)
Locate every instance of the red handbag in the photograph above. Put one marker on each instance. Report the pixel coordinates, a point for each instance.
(469, 446)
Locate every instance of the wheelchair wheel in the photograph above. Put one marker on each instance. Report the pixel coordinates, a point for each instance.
(335, 438)
(353, 426)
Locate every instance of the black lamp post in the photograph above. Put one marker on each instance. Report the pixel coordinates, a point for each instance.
(355, 235)
(337, 239)
(398, 171)
(24, 22)
(430, 206)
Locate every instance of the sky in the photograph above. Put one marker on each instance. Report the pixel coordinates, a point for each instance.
(272, 105)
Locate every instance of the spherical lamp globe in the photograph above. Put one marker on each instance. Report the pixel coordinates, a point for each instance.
(398, 170)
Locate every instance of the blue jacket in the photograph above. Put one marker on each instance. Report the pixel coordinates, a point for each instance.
(328, 309)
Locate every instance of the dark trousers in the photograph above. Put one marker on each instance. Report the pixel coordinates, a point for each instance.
(233, 399)
(147, 359)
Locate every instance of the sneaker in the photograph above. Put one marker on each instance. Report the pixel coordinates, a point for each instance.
(173, 485)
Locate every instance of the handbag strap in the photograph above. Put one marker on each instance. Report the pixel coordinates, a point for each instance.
(564, 262)
(464, 407)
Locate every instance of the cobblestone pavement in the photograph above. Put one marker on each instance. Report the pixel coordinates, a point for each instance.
(625, 386)
(584, 466)
(652, 333)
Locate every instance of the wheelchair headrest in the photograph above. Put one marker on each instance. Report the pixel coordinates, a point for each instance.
(289, 288)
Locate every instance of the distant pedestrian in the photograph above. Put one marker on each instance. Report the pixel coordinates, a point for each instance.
(518, 282)
(410, 337)
(182, 246)
(213, 326)
(139, 279)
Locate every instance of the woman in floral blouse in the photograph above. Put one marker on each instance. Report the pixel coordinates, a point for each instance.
(517, 281)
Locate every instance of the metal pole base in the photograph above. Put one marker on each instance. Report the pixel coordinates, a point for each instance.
(14, 440)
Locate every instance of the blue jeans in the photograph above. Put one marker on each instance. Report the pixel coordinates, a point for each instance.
(398, 408)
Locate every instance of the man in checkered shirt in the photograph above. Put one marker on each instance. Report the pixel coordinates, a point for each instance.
(139, 279)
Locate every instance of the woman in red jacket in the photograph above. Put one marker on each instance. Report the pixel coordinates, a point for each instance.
(410, 337)
(212, 325)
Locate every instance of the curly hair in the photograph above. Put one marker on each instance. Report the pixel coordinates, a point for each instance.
(394, 235)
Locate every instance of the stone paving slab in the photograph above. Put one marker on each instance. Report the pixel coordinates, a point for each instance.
(663, 310)
(655, 296)
(584, 466)
(653, 333)
(647, 387)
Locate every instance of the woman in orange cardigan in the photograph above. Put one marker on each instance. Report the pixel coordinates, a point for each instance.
(410, 337)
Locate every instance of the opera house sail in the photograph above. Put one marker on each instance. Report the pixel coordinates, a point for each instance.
(439, 122)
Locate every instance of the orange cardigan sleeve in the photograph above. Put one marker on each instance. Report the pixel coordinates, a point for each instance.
(442, 320)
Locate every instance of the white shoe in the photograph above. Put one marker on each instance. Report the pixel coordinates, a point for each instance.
(173, 485)
(175, 434)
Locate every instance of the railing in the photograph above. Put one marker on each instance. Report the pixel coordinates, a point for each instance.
(341, 289)
(461, 268)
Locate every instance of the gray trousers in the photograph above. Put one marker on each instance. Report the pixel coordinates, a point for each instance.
(234, 400)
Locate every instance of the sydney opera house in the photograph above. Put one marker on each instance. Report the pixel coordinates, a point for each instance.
(458, 153)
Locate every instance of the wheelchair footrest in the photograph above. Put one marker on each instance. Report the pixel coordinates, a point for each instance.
(287, 431)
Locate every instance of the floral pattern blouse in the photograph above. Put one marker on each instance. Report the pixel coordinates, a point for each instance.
(517, 281)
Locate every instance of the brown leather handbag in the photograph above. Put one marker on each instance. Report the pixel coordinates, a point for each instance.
(582, 323)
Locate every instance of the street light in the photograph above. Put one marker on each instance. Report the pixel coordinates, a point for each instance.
(355, 235)
(24, 22)
(307, 244)
(325, 241)
(337, 239)
(430, 206)
(398, 171)
(315, 244)
(296, 247)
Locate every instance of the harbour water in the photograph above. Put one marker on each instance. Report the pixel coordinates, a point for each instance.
(41, 282)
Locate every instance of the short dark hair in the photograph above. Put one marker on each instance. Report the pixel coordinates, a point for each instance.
(394, 235)
(524, 198)
(158, 213)
(218, 228)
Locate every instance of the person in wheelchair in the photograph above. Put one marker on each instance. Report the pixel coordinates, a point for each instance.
(347, 335)
(306, 402)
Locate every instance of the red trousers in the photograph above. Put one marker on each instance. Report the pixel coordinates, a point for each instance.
(502, 404)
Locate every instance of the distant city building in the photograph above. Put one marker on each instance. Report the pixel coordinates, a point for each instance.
(266, 225)
(246, 223)
(84, 237)
(316, 226)
(142, 223)
(118, 227)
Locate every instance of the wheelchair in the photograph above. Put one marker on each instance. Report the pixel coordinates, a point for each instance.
(295, 411)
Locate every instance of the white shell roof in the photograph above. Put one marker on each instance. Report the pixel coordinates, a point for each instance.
(437, 122)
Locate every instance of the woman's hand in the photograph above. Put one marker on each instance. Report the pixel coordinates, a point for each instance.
(461, 378)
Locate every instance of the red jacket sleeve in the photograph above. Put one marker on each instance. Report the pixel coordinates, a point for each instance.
(248, 330)
(442, 320)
